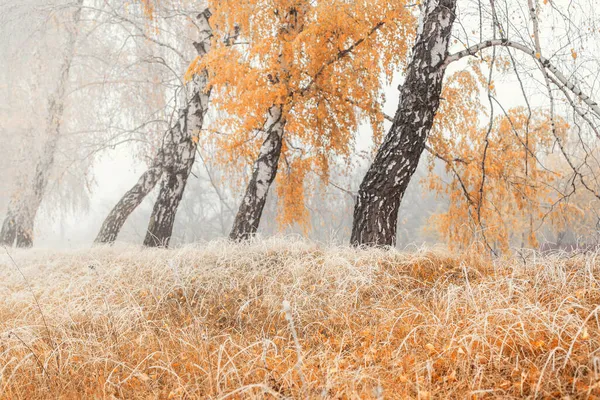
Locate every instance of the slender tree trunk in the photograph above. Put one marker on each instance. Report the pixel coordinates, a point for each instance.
(174, 161)
(129, 202)
(8, 234)
(29, 208)
(265, 169)
(133, 198)
(17, 228)
(382, 189)
(10, 226)
(165, 208)
(180, 159)
(176, 173)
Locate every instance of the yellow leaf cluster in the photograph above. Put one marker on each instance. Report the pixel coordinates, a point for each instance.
(290, 192)
(324, 62)
(496, 180)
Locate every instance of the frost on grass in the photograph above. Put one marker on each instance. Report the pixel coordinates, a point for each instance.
(211, 322)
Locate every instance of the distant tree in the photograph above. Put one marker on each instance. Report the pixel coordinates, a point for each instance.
(117, 95)
(17, 228)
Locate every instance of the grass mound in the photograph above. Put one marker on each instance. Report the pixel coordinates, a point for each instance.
(280, 319)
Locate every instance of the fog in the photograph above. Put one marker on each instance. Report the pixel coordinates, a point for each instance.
(123, 91)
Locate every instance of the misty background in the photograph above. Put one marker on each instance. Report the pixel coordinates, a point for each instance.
(123, 93)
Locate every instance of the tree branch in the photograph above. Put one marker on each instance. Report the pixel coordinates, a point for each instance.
(341, 54)
(560, 77)
(471, 51)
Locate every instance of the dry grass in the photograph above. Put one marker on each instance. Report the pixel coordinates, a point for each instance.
(209, 322)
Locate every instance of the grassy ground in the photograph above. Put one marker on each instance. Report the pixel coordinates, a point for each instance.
(281, 319)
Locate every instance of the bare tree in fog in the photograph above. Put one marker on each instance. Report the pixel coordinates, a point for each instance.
(17, 228)
(173, 162)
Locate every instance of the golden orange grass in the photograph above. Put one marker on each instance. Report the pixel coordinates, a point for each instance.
(208, 322)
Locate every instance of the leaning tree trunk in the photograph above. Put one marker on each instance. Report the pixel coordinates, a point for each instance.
(129, 202)
(179, 162)
(382, 189)
(179, 159)
(33, 198)
(18, 226)
(165, 208)
(177, 149)
(11, 226)
(8, 234)
(133, 198)
(265, 169)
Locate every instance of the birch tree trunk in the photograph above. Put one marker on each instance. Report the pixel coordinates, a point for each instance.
(8, 234)
(129, 202)
(178, 164)
(180, 159)
(176, 153)
(247, 219)
(17, 228)
(382, 189)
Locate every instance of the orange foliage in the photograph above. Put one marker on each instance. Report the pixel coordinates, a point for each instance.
(290, 191)
(148, 6)
(499, 186)
(293, 53)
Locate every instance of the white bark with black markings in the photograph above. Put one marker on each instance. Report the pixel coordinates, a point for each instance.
(178, 167)
(264, 172)
(382, 189)
(173, 163)
(17, 228)
(182, 154)
(129, 202)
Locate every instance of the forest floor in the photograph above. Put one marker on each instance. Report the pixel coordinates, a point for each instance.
(291, 319)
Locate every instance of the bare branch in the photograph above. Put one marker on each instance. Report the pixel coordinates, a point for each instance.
(560, 77)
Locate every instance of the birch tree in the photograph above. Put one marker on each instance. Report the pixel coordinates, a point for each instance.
(296, 94)
(180, 152)
(17, 228)
(382, 189)
(265, 169)
(172, 163)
